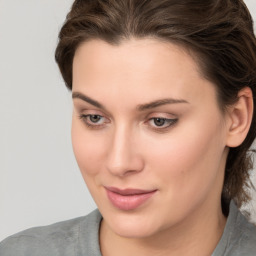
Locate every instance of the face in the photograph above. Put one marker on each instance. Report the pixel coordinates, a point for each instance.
(147, 134)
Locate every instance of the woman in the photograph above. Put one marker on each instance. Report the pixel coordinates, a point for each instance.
(164, 116)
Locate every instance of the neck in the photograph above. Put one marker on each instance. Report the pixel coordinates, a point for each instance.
(199, 235)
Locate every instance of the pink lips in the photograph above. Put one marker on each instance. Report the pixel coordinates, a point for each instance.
(128, 199)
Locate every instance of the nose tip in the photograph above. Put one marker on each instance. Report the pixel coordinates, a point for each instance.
(122, 163)
(123, 157)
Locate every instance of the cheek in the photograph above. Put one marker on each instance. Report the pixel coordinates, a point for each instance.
(188, 161)
(89, 150)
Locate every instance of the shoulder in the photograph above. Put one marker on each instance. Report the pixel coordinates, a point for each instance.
(61, 238)
(246, 240)
(243, 238)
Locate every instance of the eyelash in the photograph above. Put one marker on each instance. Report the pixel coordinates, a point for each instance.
(171, 122)
(84, 118)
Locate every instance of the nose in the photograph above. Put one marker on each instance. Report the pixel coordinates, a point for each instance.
(124, 157)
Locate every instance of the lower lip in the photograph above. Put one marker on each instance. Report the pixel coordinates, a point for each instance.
(128, 202)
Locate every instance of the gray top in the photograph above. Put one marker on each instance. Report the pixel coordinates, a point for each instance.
(79, 237)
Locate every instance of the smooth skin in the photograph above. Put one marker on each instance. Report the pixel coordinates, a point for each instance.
(177, 146)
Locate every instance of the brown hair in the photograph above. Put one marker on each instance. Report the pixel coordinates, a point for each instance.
(218, 32)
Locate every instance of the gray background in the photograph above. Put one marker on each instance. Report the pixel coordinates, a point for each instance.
(40, 182)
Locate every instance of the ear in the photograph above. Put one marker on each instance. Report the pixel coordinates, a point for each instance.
(240, 118)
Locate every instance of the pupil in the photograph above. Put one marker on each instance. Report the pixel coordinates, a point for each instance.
(94, 118)
(159, 121)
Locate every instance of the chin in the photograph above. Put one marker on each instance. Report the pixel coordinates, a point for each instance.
(137, 232)
(133, 226)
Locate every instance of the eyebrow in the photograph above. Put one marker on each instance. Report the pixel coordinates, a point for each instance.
(141, 107)
(78, 95)
(158, 103)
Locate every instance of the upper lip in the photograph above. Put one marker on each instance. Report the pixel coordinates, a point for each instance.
(129, 191)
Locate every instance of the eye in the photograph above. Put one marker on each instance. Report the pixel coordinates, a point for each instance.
(94, 118)
(161, 123)
(93, 121)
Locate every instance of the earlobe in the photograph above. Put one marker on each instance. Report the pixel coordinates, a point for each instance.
(240, 118)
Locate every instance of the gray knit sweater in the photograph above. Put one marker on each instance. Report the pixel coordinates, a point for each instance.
(79, 237)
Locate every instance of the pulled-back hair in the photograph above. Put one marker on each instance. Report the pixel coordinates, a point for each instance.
(219, 33)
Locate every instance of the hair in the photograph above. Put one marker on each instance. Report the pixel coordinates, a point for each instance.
(219, 33)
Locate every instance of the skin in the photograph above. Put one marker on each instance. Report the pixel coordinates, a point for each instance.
(183, 160)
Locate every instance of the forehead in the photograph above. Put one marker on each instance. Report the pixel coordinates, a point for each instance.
(140, 52)
(137, 65)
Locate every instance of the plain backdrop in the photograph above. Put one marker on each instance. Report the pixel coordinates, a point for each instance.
(40, 182)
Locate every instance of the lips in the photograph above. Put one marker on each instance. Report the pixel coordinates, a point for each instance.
(128, 199)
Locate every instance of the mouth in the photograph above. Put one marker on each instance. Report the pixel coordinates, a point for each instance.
(128, 199)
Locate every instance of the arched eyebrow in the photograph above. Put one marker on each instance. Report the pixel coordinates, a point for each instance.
(78, 95)
(141, 107)
(158, 103)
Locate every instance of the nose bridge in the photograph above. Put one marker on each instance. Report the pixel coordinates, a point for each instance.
(123, 157)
